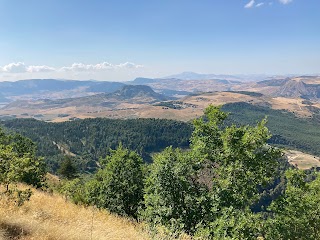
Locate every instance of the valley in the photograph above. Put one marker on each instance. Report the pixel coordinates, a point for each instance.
(291, 104)
(162, 120)
(298, 95)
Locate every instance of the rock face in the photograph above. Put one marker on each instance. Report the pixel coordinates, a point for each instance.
(292, 88)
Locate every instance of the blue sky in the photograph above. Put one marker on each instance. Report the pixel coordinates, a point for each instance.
(123, 39)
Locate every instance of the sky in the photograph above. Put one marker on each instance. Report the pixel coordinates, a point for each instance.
(119, 40)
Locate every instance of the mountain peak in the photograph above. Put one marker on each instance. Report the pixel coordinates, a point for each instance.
(138, 91)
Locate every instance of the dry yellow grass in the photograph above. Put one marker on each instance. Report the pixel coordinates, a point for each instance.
(302, 160)
(48, 216)
(291, 104)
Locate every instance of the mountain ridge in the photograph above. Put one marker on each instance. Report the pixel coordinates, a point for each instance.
(131, 93)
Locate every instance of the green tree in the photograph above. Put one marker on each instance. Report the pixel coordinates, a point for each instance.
(174, 196)
(67, 168)
(18, 162)
(231, 224)
(296, 214)
(210, 189)
(240, 158)
(241, 163)
(74, 190)
(119, 185)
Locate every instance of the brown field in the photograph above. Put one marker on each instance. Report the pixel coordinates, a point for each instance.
(125, 110)
(312, 80)
(302, 160)
(291, 104)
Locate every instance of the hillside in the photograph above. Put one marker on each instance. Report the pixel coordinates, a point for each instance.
(54, 89)
(137, 93)
(229, 172)
(307, 87)
(287, 129)
(133, 94)
(51, 217)
(298, 95)
(128, 98)
(91, 139)
(183, 87)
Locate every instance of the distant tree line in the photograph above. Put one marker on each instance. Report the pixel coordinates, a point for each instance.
(288, 130)
(87, 140)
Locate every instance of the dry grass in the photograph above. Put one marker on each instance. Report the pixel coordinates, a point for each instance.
(294, 105)
(48, 216)
(302, 160)
(125, 110)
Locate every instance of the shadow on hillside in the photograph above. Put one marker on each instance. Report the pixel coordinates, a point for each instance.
(12, 231)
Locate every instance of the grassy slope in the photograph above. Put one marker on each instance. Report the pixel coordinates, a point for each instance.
(48, 216)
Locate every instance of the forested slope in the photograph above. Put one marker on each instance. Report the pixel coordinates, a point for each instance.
(90, 139)
(288, 130)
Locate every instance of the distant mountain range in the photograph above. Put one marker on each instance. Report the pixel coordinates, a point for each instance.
(173, 86)
(35, 85)
(62, 100)
(237, 77)
(133, 94)
(35, 89)
(199, 76)
(53, 88)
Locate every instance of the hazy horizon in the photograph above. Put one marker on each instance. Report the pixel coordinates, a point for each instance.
(244, 77)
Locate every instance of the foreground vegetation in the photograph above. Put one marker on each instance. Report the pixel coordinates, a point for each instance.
(230, 184)
(50, 217)
(227, 186)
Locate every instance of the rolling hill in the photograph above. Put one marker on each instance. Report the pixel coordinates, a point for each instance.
(138, 94)
(182, 87)
(54, 89)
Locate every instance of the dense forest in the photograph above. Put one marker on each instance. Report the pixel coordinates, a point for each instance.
(287, 129)
(88, 140)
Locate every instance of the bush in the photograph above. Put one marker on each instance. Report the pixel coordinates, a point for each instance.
(118, 187)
